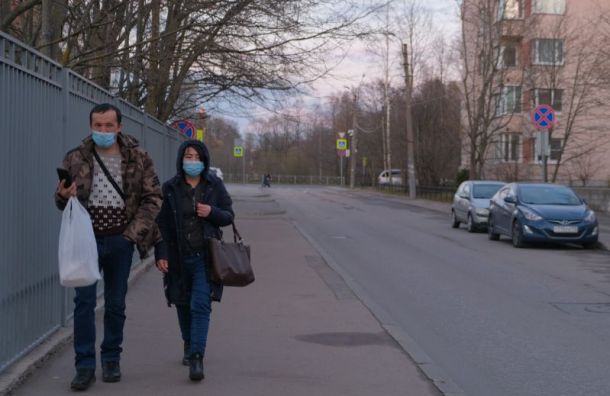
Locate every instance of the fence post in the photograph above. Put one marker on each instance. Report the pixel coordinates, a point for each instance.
(65, 99)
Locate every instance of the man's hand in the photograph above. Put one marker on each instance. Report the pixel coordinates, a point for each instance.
(203, 210)
(162, 265)
(64, 192)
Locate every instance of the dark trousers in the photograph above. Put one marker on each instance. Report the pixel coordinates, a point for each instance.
(194, 319)
(115, 255)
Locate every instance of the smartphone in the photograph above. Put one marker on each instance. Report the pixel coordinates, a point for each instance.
(64, 175)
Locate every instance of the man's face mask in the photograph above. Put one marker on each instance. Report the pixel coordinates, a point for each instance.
(103, 139)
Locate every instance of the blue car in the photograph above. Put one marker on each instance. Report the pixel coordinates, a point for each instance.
(527, 212)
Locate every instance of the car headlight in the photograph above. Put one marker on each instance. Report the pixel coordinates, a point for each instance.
(482, 211)
(590, 217)
(531, 216)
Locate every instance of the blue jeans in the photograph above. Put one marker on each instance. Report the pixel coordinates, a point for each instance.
(194, 320)
(114, 254)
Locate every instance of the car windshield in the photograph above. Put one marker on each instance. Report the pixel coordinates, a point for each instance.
(483, 191)
(548, 195)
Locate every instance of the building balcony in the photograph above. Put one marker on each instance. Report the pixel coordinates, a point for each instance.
(511, 28)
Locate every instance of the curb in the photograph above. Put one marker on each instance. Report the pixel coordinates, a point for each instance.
(22, 369)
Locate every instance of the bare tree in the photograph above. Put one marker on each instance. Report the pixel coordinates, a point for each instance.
(568, 73)
(486, 110)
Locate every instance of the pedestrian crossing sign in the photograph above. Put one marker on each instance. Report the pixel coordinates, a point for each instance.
(238, 151)
(341, 144)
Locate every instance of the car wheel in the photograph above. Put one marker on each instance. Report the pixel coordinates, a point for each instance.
(454, 221)
(517, 235)
(470, 224)
(491, 234)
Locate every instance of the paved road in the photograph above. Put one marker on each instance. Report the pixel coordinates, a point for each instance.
(491, 319)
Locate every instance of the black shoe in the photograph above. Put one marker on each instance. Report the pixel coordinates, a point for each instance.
(186, 358)
(83, 379)
(196, 367)
(111, 371)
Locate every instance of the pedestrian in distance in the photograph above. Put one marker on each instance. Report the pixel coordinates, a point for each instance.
(123, 201)
(267, 180)
(195, 205)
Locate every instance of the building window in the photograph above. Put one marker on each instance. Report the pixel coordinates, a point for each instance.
(551, 97)
(553, 151)
(509, 101)
(509, 9)
(509, 147)
(507, 56)
(548, 52)
(549, 7)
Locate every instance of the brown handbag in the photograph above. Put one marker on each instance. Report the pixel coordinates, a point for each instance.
(231, 261)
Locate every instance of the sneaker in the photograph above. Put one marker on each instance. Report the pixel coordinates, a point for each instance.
(83, 379)
(196, 367)
(186, 358)
(111, 371)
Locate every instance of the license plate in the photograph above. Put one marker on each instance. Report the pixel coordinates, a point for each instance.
(565, 229)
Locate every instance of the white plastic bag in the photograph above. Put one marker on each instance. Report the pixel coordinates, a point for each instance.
(78, 265)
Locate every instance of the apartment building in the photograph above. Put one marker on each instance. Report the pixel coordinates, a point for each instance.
(518, 54)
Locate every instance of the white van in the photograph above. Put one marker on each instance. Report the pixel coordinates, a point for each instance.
(384, 177)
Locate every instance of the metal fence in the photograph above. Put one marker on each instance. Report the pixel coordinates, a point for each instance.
(255, 178)
(44, 112)
(434, 193)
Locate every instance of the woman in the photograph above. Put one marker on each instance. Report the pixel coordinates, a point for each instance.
(195, 206)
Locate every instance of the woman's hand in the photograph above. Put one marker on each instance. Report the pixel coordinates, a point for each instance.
(203, 210)
(162, 265)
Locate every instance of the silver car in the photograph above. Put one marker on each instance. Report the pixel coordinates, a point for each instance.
(471, 203)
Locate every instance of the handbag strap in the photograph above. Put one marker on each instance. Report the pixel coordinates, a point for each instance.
(108, 175)
(236, 236)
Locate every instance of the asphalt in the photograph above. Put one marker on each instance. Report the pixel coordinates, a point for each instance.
(603, 218)
(297, 330)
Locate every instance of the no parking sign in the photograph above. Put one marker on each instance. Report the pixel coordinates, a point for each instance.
(185, 127)
(543, 116)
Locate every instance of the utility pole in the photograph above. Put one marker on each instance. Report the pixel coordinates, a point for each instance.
(410, 142)
(354, 146)
(386, 92)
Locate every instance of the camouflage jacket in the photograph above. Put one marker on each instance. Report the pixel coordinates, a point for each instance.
(140, 185)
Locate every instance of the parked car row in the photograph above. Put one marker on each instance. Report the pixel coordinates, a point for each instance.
(525, 212)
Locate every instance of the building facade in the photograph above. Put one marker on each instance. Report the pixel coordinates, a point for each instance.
(519, 54)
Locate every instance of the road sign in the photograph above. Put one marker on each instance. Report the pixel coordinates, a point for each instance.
(342, 153)
(543, 117)
(200, 134)
(238, 151)
(341, 135)
(185, 127)
(341, 144)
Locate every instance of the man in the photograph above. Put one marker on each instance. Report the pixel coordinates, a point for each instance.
(123, 201)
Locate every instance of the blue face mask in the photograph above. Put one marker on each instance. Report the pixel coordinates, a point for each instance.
(193, 168)
(103, 139)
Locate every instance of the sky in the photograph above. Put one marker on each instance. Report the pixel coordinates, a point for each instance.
(360, 64)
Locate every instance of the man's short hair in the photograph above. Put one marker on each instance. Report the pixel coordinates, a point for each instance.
(102, 108)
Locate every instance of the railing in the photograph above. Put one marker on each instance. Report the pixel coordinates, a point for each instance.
(254, 178)
(434, 193)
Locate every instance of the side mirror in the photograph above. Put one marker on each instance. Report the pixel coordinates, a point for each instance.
(510, 200)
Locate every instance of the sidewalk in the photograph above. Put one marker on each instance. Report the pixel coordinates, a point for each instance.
(297, 330)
